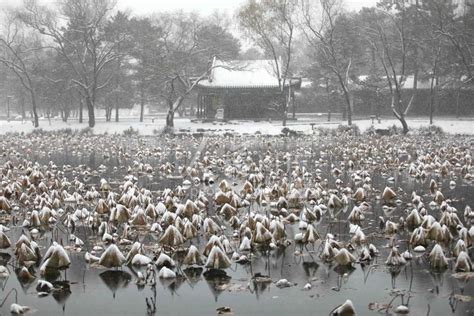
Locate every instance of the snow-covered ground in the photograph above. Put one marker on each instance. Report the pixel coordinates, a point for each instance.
(303, 124)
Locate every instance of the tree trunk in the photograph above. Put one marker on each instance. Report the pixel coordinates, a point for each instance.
(116, 112)
(397, 111)
(81, 106)
(172, 109)
(23, 112)
(33, 108)
(90, 111)
(348, 110)
(170, 118)
(404, 123)
(142, 107)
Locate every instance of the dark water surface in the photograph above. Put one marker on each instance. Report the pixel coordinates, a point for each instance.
(92, 293)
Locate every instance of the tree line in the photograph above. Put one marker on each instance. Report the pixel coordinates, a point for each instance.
(84, 54)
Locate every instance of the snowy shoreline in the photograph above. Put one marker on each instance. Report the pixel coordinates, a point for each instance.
(185, 125)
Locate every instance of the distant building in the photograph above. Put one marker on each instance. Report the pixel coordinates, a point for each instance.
(245, 89)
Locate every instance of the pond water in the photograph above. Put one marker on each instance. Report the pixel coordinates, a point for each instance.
(97, 291)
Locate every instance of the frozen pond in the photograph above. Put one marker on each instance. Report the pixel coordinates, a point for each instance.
(95, 290)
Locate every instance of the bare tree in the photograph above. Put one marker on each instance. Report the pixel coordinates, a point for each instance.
(18, 49)
(272, 25)
(82, 42)
(190, 44)
(387, 34)
(320, 25)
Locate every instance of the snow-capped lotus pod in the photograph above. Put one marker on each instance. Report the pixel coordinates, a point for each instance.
(139, 218)
(437, 258)
(261, 234)
(278, 230)
(407, 255)
(102, 207)
(26, 254)
(5, 204)
(463, 263)
(310, 236)
(419, 249)
(165, 260)
(291, 218)
(217, 259)
(189, 230)
(328, 252)
(436, 233)
(168, 218)
(418, 237)
(4, 273)
(438, 197)
(221, 198)
(78, 242)
(428, 221)
(151, 212)
(34, 219)
(365, 255)
(226, 246)
(344, 258)
(356, 215)
(224, 186)
(468, 213)
(4, 240)
(459, 247)
(302, 225)
(89, 258)
(107, 238)
(160, 208)
(391, 227)
(44, 286)
(359, 195)
(156, 228)
(394, 258)
(45, 215)
(359, 237)
(245, 244)
(189, 209)
(193, 257)
(247, 188)
(373, 250)
(166, 273)
(112, 257)
(55, 258)
(171, 237)
(18, 309)
(334, 202)
(346, 309)
(213, 241)
(133, 251)
(25, 274)
(433, 186)
(450, 219)
(414, 219)
(210, 227)
(122, 214)
(309, 215)
(140, 260)
(282, 203)
(294, 198)
(234, 222)
(227, 211)
(388, 195)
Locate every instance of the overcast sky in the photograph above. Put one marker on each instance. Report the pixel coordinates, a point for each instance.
(203, 6)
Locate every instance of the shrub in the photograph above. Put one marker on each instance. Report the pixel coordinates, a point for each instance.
(130, 132)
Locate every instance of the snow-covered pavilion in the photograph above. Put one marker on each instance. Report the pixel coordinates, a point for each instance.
(245, 89)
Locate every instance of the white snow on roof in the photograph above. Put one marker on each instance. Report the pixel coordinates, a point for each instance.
(243, 74)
